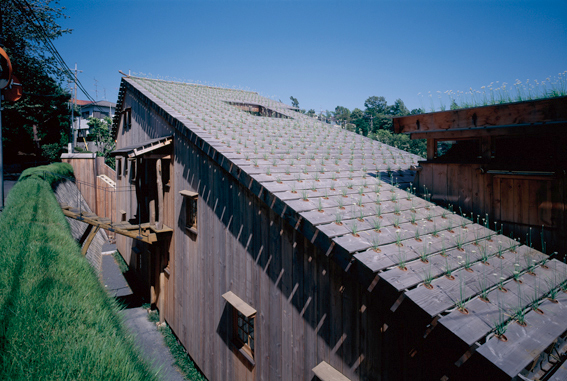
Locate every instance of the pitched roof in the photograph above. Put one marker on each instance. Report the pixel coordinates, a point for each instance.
(325, 181)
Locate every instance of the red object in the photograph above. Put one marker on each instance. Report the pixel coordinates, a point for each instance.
(15, 91)
(6, 66)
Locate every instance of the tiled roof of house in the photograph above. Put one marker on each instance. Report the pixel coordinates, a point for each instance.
(325, 181)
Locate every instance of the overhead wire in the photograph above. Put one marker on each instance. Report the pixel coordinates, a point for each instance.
(28, 13)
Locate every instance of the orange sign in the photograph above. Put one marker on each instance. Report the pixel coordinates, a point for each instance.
(13, 92)
(5, 69)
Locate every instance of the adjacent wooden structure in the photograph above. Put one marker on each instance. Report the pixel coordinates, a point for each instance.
(286, 220)
(509, 163)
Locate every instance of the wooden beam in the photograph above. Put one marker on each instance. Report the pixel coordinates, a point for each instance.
(243, 307)
(121, 228)
(431, 149)
(326, 372)
(528, 112)
(89, 240)
(479, 132)
(159, 223)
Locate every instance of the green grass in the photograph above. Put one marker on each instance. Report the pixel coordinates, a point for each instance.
(182, 359)
(56, 321)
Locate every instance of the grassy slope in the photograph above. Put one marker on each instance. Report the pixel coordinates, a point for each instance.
(56, 321)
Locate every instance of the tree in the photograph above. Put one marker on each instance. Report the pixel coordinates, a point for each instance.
(100, 132)
(294, 102)
(41, 116)
(358, 119)
(342, 114)
(398, 108)
(378, 105)
(311, 112)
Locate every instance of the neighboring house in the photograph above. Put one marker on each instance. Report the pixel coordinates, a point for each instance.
(98, 109)
(278, 253)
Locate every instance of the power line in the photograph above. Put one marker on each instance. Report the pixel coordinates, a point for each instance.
(27, 11)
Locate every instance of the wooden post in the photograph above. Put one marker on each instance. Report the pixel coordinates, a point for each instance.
(159, 223)
(161, 297)
(89, 240)
(486, 147)
(431, 149)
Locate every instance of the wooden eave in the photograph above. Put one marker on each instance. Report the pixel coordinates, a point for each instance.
(494, 119)
(144, 148)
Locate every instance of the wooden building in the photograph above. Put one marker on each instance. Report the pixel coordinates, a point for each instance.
(282, 255)
(507, 162)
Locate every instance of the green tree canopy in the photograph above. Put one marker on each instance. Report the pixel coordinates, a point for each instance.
(342, 114)
(27, 31)
(294, 101)
(100, 133)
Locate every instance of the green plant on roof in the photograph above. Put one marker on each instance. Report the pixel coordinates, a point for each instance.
(519, 313)
(319, 205)
(535, 299)
(360, 215)
(463, 300)
(255, 161)
(350, 185)
(530, 262)
(483, 249)
(398, 234)
(293, 190)
(428, 277)
(394, 197)
(278, 179)
(513, 247)
(376, 224)
(298, 177)
(340, 203)
(268, 171)
(378, 211)
(517, 272)
(424, 252)
(354, 229)
(416, 235)
(344, 192)
(447, 269)
(287, 171)
(460, 240)
(359, 202)
(313, 187)
(401, 258)
(325, 194)
(397, 209)
(413, 218)
(484, 287)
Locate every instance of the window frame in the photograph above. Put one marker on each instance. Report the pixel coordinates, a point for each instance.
(243, 311)
(191, 210)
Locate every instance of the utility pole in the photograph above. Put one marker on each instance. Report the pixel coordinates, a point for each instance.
(73, 111)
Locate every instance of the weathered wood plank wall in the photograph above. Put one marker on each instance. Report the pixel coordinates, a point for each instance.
(309, 309)
(520, 202)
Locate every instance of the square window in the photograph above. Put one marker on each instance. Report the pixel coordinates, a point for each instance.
(191, 201)
(243, 316)
(244, 328)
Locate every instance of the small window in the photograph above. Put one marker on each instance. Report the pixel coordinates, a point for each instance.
(191, 199)
(119, 167)
(244, 328)
(242, 325)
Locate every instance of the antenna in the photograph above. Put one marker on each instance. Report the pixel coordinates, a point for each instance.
(96, 88)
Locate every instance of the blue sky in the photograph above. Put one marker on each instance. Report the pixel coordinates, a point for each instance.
(324, 53)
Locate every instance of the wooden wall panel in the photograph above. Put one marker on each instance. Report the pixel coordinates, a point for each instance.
(516, 201)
